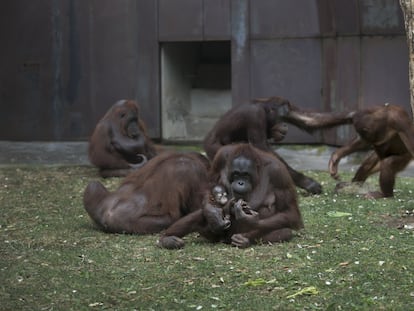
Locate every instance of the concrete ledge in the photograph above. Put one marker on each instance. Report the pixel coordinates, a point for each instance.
(44, 153)
(301, 158)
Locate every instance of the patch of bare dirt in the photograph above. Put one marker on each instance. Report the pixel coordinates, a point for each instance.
(403, 222)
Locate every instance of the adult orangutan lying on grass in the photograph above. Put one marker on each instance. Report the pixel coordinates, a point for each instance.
(262, 195)
(152, 198)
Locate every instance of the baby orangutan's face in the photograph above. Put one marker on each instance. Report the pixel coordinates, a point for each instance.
(220, 195)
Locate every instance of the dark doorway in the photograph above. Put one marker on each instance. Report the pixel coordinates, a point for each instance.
(195, 87)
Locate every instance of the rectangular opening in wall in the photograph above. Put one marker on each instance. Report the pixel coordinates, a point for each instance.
(195, 87)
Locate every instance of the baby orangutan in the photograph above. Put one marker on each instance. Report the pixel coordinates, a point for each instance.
(216, 210)
(219, 210)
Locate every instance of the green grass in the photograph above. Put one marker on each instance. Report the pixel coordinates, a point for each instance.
(53, 258)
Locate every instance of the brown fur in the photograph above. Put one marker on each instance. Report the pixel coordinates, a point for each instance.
(389, 130)
(272, 202)
(119, 143)
(152, 198)
(256, 123)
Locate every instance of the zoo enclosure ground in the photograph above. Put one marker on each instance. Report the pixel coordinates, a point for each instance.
(351, 255)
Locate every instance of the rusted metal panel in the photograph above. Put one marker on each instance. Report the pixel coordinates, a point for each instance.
(113, 54)
(384, 71)
(340, 83)
(65, 62)
(72, 60)
(216, 18)
(346, 17)
(46, 79)
(341, 80)
(240, 47)
(74, 94)
(147, 78)
(381, 17)
(329, 87)
(180, 20)
(326, 16)
(348, 81)
(290, 68)
(281, 18)
(25, 69)
(348, 74)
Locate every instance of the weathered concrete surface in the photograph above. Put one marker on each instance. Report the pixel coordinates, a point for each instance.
(301, 158)
(43, 153)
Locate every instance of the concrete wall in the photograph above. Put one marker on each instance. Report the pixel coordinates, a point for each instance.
(65, 62)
